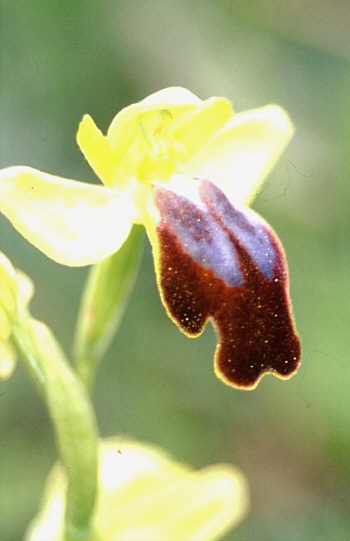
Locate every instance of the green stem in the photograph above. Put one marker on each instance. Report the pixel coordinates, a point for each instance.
(73, 419)
(106, 293)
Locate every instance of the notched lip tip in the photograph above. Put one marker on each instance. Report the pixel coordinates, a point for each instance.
(254, 384)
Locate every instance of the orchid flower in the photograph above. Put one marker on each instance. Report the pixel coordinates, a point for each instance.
(185, 169)
(144, 495)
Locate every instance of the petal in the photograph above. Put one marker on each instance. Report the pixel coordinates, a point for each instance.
(97, 150)
(147, 496)
(204, 505)
(196, 127)
(71, 222)
(191, 126)
(8, 359)
(49, 522)
(127, 125)
(105, 154)
(240, 155)
(8, 297)
(174, 95)
(25, 288)
(159, 499)
(217, 261)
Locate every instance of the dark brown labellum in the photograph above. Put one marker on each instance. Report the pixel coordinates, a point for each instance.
(226, 264)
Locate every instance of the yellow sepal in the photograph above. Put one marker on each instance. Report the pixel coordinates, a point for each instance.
(72, 222)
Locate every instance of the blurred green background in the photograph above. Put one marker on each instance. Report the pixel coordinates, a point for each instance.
(61, 59)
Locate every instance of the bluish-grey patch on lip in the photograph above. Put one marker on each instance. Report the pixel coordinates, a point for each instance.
(245, 227)
(199, 234)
